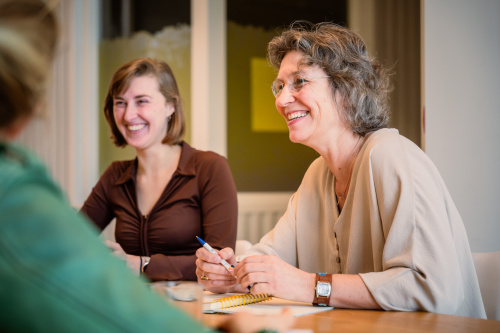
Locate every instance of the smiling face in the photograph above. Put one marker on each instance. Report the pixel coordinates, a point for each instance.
(310, 113)
(141, 113)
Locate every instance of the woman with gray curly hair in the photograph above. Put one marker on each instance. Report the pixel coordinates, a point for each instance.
(372, 225)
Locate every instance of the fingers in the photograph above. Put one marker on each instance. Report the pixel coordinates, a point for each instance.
(262, 288)
(213, 271)
(211, 274)
(259, 283)
(258, 263)
(286, 320)
(210, 264)
(203, 276)
(215, 282)
(228, 255)
(261, 274)
(204, 255)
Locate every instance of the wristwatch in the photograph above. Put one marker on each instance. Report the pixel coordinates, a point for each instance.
(323, 289)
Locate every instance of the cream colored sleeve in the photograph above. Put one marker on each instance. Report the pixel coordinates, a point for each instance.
(421, 268)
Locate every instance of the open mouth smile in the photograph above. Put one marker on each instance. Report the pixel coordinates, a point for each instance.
(297, 115)
(136, 127)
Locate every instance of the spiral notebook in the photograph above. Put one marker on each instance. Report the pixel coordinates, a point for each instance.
(261, 304)
(234, 301)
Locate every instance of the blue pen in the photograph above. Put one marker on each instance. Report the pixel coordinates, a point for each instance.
(210, 249)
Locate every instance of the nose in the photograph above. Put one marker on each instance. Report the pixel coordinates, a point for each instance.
(129, 112)
(285, 97)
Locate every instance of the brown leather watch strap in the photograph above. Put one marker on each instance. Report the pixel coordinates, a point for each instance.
(322, 300)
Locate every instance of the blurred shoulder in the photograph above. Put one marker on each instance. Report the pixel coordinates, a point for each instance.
(19, 166)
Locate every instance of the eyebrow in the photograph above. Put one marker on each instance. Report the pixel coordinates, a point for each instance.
(293, 73)
(135, 97)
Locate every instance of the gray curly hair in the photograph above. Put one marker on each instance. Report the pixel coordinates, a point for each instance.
(361, 81)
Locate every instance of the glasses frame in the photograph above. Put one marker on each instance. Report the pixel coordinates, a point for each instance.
(292, 86)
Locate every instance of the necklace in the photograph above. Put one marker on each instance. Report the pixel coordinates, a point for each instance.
(341, 197)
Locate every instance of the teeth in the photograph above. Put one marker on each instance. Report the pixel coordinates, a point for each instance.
(296, 115)
(136, 127)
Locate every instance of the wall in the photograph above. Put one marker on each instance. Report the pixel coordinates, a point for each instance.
(260, 160)
(461, 53)
(391, 31)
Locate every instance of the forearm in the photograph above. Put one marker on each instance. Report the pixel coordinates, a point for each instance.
(162, 267)
(350, 292)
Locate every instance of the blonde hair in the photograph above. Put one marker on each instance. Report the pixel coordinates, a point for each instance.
(28, 36)
(121, 81)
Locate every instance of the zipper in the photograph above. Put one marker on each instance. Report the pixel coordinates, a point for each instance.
(144, 236)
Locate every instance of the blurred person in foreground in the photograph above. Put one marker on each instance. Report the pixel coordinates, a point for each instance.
(55, 273)
(372, 225)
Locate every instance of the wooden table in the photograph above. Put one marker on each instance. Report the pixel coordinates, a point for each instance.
(340, 321)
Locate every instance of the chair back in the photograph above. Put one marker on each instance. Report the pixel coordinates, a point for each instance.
(488, 274)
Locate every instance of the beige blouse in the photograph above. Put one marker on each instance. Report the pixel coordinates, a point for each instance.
(399, 229)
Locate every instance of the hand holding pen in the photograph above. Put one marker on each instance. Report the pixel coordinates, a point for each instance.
(230, 268)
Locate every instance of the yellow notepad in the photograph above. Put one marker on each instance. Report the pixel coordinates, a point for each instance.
(236, 300)
(270, 306)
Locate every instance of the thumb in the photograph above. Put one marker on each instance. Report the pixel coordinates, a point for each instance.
(226, 253)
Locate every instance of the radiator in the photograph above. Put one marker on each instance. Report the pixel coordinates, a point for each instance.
(258, 213)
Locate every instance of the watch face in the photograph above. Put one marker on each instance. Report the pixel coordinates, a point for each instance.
(323, 289)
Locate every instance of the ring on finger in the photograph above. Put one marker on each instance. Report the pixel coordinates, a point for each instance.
(203, 277)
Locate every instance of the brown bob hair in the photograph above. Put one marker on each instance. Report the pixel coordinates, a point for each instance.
(121, 81)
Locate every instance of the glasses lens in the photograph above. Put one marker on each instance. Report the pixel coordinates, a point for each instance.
(277, 87)
(298, 83)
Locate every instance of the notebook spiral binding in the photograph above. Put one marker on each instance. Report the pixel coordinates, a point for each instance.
(237, 300)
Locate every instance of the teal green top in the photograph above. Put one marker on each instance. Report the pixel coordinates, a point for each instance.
(55, 273)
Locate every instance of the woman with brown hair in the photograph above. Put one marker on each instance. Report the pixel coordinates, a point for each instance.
(170, 193)
(55, 273)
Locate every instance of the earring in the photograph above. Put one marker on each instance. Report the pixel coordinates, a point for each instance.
(169, 118)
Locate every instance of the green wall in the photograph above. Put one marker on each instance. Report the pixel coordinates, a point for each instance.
(260, 161)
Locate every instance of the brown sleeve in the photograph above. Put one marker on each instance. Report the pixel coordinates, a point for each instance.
(97, 207)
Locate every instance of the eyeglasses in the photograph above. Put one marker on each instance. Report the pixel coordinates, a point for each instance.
(295, 84)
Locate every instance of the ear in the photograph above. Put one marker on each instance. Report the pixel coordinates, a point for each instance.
(170, 109)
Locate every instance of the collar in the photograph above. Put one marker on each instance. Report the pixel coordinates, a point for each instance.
(186, 166)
